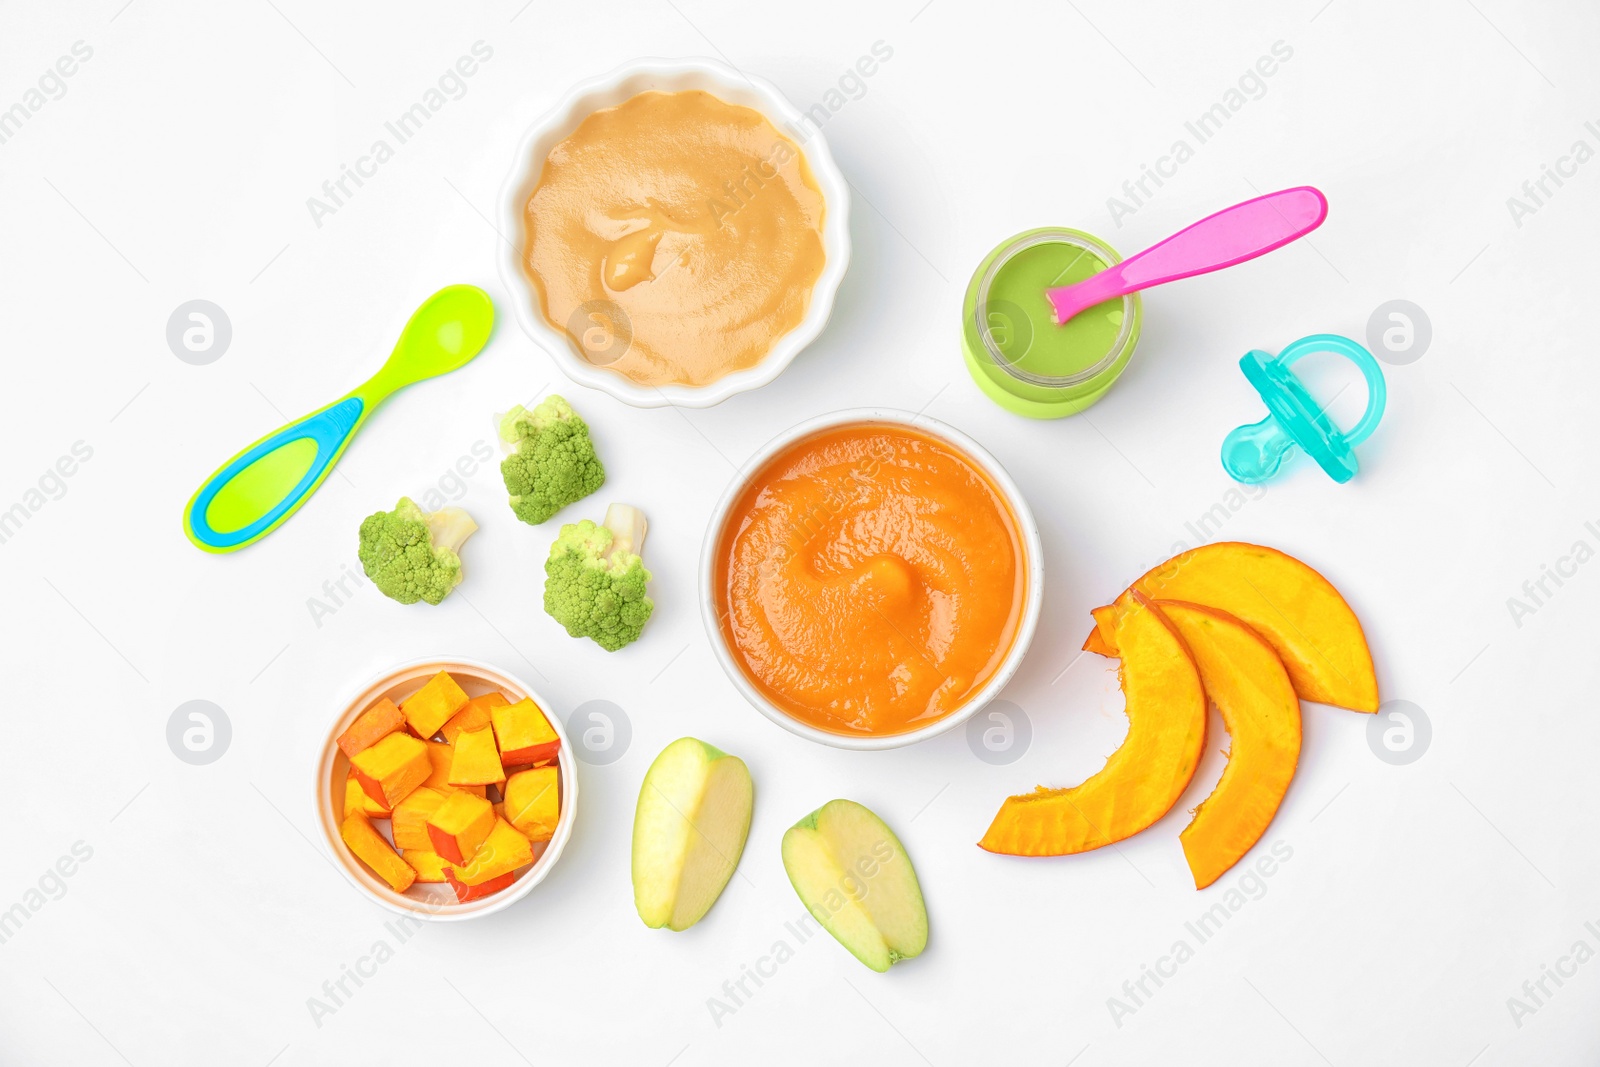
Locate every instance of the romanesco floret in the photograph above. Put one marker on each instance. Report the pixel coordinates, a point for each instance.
(413, 555)
(595, 581)
(551, 462)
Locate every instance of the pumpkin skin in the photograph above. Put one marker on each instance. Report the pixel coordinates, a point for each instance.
(1299, 613)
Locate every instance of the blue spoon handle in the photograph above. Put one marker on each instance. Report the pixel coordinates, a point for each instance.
(247, 486)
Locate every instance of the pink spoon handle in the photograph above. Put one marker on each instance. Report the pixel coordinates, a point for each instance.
(1233, 235)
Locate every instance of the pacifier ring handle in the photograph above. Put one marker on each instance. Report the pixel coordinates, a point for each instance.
(1364, 361)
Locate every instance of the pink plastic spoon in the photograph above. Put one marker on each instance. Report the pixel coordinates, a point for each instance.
(1233, 235)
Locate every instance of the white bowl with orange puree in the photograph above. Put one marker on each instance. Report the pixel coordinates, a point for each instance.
(872, 580)
(674, 232)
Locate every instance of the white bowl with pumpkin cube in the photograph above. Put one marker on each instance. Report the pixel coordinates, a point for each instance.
(446, 789)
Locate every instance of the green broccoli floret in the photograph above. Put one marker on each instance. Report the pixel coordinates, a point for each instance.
(413, 555)
(594, 579)
(551, 462)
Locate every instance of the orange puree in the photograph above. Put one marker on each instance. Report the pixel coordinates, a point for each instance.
(869, 579)
(695, 219)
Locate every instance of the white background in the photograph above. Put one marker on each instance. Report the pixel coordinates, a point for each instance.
(1418, 898)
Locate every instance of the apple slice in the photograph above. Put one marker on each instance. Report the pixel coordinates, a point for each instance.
(688, 832)
(1166, 707)
(855, 879)
(1247, 681)
(1296, 609)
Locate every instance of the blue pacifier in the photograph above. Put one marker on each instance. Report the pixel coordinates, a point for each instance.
(1253, 453)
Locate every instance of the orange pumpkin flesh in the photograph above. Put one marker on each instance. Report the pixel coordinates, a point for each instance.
(1166, 708)
(1247, 681)
(1299, 613)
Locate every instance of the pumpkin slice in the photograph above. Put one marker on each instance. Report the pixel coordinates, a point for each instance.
(1247, 681)
(1299, 613)
(1166, 708)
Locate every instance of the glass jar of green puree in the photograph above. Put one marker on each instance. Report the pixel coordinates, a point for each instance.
(1014, 349)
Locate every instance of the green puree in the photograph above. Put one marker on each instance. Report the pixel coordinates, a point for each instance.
(1020, 319)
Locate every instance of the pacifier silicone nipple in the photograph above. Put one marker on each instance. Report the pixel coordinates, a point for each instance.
(1254, 452)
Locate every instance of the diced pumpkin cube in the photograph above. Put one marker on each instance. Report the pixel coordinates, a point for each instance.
(356, 799)
(410, 823)
(459, 825)
(370, 727)
(392, 768)
(466, 892)
(440, 755)
(503, 851)
(475, 716)
(476, 760)
(428, 864)
(533, 802)
(524, 735)
(370, 848)
(431, 706)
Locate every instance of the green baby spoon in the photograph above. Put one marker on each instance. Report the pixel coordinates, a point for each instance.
(254, 492)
